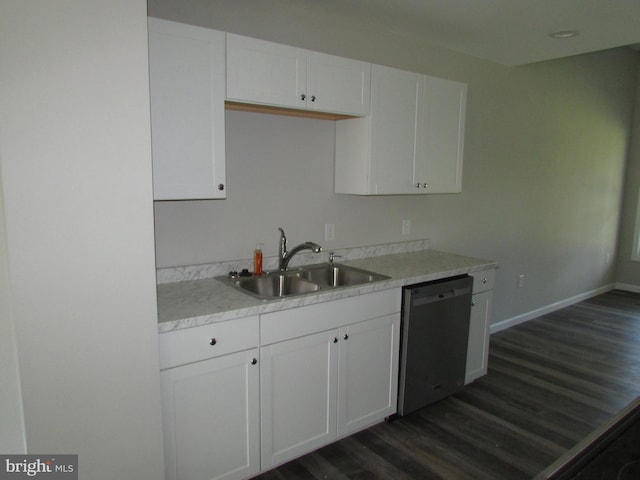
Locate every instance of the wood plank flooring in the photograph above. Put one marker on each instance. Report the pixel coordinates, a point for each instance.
(551, 382)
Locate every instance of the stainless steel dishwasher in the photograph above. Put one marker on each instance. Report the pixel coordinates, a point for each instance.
(435, 333)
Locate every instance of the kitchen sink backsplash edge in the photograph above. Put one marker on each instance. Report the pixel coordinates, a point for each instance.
(210, 270)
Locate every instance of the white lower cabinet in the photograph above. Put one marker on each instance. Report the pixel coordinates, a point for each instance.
(324, 385)
(479, 326)
(367, 372)
(210, 407)
(211, 418)
(327, 385)
(299, 386)
(245, 395)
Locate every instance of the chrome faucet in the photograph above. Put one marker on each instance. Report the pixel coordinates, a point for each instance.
(285, 256)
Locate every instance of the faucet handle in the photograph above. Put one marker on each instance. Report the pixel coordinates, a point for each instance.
(333, 255)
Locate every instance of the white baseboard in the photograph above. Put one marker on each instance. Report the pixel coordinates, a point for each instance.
(510, 322)
(628, 287)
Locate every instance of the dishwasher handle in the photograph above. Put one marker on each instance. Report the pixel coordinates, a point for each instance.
(417, 299)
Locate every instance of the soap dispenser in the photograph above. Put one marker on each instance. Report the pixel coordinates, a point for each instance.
(257, 259)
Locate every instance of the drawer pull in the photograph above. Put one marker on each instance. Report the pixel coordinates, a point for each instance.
(335, 339)
(254, 361)
(213, 341)
(346, 336)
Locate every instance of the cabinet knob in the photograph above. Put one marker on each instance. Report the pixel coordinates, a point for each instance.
(335, 339)
(346, 336)
(213, 341)
(254, 361)
(313, 98)
(473, 304)
(221, 186)
(303, 97)
(484, 280)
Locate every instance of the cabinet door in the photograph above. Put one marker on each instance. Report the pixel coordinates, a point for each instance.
(478, 349)
(187, 88)
(266, 73)
(298, 386)
(338, 85)
(367, 372)
(440, 136)
(211, 418)
(394, 110)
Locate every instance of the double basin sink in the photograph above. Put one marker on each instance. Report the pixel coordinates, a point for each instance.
(307, 279)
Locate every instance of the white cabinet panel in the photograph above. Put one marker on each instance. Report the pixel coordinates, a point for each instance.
(412, 143)
(396, 96)
(368, 373)
(299, 387)
(441, 136)
(337, 84)
(210, 418)
(207, 341)
(187, 88)
(267, 73)
(479, 326)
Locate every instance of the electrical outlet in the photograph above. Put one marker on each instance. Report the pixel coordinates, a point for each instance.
(329, 232)
(406, 227)
(520, 281)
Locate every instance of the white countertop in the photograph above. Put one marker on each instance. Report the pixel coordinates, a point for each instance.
(192, 303)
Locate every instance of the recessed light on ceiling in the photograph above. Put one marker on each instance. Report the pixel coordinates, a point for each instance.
(560, 34)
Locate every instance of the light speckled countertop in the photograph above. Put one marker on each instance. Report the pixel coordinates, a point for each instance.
(192, 303)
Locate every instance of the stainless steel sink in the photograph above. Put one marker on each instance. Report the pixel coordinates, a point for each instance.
(335, 275)
(308, 279)
(275, 285)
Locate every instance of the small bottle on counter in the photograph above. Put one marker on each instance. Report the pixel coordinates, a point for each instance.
(257, 259)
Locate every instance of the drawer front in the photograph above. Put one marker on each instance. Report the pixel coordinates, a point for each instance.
(296, 322)
(208, 341)
(483, 281)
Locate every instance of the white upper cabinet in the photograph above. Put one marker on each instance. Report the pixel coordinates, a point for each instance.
(187, 87)
(267, 73)
(441, 136)
(412, 143)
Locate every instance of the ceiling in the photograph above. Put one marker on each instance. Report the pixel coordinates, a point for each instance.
(510, 32)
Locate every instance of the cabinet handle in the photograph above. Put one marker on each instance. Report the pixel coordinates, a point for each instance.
(221, 186)
(254, 361)
(421, 185)
(335, 339)
(213, 341)
(303, 97)
(313, 98)
(346, 336)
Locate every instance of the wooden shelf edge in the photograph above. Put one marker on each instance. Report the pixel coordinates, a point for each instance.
(291, 112)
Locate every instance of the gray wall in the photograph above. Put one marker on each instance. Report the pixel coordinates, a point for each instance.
(79, 275)
(628, 271)
(545, 153)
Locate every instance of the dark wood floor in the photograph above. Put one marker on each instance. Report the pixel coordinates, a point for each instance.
(551, 382)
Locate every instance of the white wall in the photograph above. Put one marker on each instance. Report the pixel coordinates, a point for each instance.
(545, 153)
(76, 176)
(12, 434)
